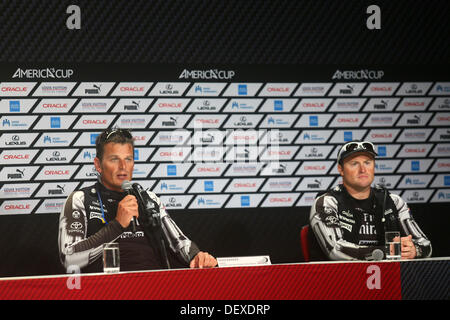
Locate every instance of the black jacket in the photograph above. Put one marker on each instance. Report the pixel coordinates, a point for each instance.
(84, 228)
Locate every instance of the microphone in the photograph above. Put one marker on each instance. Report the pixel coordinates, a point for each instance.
(377, 254)
(148, 203)
(128, 188)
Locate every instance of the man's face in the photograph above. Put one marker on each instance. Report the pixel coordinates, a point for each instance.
(116, 166)
(358, 171)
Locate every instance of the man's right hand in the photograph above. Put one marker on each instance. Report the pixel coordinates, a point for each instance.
(126, 210)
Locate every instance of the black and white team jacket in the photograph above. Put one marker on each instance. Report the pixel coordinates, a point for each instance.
(351, 229)
(84, 228)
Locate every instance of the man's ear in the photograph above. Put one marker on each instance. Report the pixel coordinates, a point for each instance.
(97, 165)
(341, 170)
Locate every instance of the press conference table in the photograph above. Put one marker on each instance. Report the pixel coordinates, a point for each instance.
(386, 280)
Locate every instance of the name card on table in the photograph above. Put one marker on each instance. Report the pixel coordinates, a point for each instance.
(244, 261)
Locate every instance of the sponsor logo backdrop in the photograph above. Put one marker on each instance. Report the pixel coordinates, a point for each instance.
(235, 137)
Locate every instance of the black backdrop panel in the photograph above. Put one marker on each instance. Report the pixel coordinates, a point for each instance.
(232, 32)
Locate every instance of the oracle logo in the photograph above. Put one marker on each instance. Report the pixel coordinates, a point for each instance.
(16, 156)
(15, 89)
(443, 118)
(171, 154)
(348, 120)
(280, 153)
(202, 169)
(315, 167)
(97, 121)
(245, 185)
(169, 105)
(133, 89)
(139, 138)
(54, 105)
(414, 104)
(313, 104)
(415, 150)
(17, 207)
(208, 121)
(275, 89)
(443, 165)
(244, 137)
(383, 89)
(56, 172)
(381, 135)
(280, 199)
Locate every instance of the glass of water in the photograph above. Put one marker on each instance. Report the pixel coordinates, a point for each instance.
(393, 245)
(111, 257)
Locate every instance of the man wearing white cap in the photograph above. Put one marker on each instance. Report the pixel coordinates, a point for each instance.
(350, 220)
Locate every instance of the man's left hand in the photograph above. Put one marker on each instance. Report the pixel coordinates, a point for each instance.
(203, 260)
(408, 248)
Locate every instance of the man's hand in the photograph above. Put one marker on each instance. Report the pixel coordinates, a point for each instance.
(408, 248)
(203, 260)
(126, 210)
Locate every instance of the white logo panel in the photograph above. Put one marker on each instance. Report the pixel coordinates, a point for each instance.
(206, 105)
(133, 121)
(278, 89)
(13, 106)
(280, 200)
(172, 186)
(54, 105)
(381, 89)
(280, 184)
(245, 201)
(132, 88)
(278, 105)
(93, 89)
(208, 185)
(54, 89)
(313, 89)
(17, 190)
(93, 105)
(206, 89)
(55, 139)
(50, 156)
(18, 173)
(18, 206)
(16, 89)
(313, 105)
(414, 89)
(132, 105)
(169, 89)
(175, 202)
(11, 123)
(347, 89)
(170, 105)
(242, 105)
(242, 89)
(215, 201)
(17, 140)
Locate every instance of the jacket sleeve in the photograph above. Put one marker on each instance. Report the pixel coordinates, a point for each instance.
(327, 228)
(178, 243)
(409, 227)
(75, 248)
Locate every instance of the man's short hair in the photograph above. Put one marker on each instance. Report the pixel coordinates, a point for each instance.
(114, 135)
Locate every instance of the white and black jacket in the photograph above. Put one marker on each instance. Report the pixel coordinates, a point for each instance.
(337, 224)
(83, 229)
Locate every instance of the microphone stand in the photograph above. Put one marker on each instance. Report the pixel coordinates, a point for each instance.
(151, 219)
(157, 227)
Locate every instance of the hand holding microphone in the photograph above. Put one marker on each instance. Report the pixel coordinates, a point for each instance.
(128, 208)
